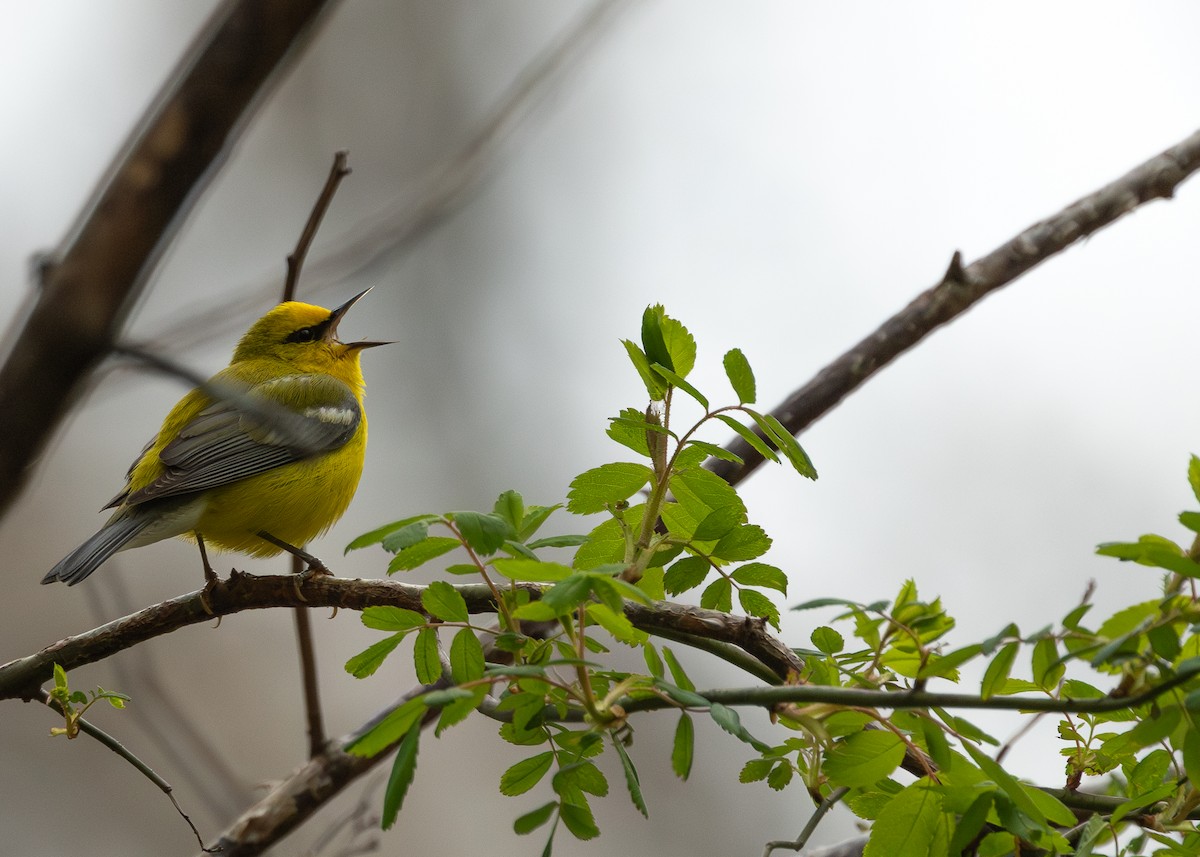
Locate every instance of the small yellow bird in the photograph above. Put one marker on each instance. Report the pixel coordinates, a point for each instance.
(263, 458)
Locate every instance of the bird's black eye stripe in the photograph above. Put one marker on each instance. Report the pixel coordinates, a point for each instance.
(307, 334)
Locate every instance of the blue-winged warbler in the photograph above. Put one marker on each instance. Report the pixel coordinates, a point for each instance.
(266, 467)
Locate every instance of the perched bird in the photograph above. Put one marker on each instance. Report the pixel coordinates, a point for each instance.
(262, 458)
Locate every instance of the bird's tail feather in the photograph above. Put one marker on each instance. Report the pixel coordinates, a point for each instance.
(91, 554)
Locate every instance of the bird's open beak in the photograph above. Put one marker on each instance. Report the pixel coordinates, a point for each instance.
(335, 318)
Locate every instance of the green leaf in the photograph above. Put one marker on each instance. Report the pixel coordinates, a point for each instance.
(534, 819)
(1191, 520)
(1194, 476)
(728, 720)
(780, 775)
(616, 624)
(366, 662)
(394, 726)
(421, 553)
(568, 593)
(1007, 783)
(443, 601)
(531, 570)
(761, 574)
(1153, 551)
(564, 541)
(535, 516)
(711, 450)
(466, 657)
(654, 663)
(1048, 668)
(578, 819)
(741, 377)
(912, 824)
(655, 388)
(629, 429)
(717, 523)
(606, 543)
(827, 640)
(680, 695)
(405, 537)
(946, 666)
(525, 774)
(864, 758)
(718, 595)
(971, 822)
(385, 618)
(631, 778)
(996, 674)
(653, 339)
(677, 673)
(582, 775)
(377, 535)
(687, 573)
(597, 489)
(701, 491)
(484, 533)
(756, 443)
(748, 541)
(683, 747)
(786, 443)
(678, 381)
(756, 770)
(404, 768)
(426, 657)
(680, 345)
(510, 506)
(757, 604)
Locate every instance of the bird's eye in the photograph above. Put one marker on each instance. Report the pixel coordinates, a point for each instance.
(304, 334)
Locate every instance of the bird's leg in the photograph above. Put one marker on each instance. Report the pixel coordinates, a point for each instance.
(210, 576)
(314, 564)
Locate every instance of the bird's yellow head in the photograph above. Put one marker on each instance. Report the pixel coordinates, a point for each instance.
(305, 337)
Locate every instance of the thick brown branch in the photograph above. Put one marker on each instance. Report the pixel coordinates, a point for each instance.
(88, 288)
(961, 288)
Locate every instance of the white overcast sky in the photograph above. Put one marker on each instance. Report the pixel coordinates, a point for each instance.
(783, 177)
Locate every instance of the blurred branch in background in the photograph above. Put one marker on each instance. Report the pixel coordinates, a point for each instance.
(88, 287)
(450, 184)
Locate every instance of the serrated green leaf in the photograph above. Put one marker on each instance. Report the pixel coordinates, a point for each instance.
(761, 574)
(386, 618)
(827, 640)
(606, 543)
(710, 450)
(912, 824)
(1191, 520)
(757, 604)
(1153, 551)
(717, 523)
(366, 662)
(531, 570)
(1194, 476)
(681, 696)
(747, 541)
(510, 506)
(789, 446)
(680, 345)
(427, 658)
(578, 819)
(729, 720)
(655, 388)
(1006, 782)
(679, 382)
(443, 601)
(1047, 667)
(484, 533)
(996, 674)
(864, 758)
(780, 775)
(421, 553)
(718, 595)
(377, 535)
(971, 822)
(616, 624)
(404, 768)
(535, 516)
(525, 774)
(741, 377)
(597, 489)
(685, 574)
(756, 443)
(568, 593)
(654, 664)
(564, 541)
(534, 819)
(466, 657)
(631, 778)
(677, 672)
(756, 770)
(653, 338)
(629, 429)
(683, 747)
(394, 726)
(405, 537)
(702, 491)
(946, 666)
(582, 775)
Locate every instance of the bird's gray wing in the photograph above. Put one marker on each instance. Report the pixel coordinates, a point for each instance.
(254, 430)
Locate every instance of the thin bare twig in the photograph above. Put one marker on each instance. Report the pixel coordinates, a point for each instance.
(811, 827)
(962, 287)
(304, 635)
(125, 753)
(88, 287)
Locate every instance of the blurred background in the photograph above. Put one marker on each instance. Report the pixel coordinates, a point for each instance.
(782, 176)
